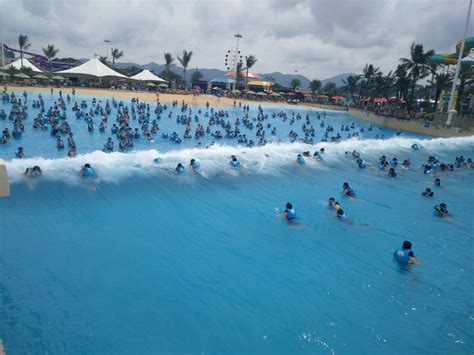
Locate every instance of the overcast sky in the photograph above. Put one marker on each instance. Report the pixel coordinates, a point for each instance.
(318, 38)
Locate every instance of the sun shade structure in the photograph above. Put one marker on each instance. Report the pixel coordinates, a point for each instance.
(57, 77)
(163, 85)
(261, 93)
(244, 74)
(22, 76)
(40, 76)
(94, 68)
(147, 75)
(26, 64)
(235, 91)
(150, 84)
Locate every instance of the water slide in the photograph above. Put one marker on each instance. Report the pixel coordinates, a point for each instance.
(38, 59)
(452, 58)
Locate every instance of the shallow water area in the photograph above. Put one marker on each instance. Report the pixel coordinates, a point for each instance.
(142, 259)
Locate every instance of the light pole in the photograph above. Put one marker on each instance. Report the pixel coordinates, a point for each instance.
(107, 50)
(238, 36)
(451, 109)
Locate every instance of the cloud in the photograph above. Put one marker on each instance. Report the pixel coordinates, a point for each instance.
(318, 38)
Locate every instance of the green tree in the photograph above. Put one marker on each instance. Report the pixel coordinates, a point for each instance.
(295, 83)
(417, 65)
(402, 81)
(103, 59)
(249, 63)
(116, 54)
(314, 86)
(11, 72)
(466, 78)
(184, 60)
(330, 88)
(352, 85)
(238, 74)
(440, 82)
(23, 43)
(196, 76)
(168, 62)
(50, 52)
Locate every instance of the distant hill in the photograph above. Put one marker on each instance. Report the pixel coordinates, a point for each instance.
(209, 74)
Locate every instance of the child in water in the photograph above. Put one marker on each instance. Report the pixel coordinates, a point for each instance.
(290, 213)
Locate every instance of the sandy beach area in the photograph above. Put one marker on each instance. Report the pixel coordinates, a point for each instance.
(199, 100)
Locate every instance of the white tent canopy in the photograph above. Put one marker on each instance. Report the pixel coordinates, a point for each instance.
(147, 75)
(93, 67)
(26, 64)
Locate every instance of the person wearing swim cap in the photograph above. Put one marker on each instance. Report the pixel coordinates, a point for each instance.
(290, 213)
(405, 255)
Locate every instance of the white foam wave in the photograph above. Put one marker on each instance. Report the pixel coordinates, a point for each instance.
(269, 159)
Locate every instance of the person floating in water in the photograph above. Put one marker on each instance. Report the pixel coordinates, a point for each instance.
(300, 159)
(442, 210)
(331, 202)
(87, 171)
(290, 213)
(195, 164)
(180, 168)
(20, 154)
(405, 255)
(234, 162)
(34, 171)
(346, 189)
(339, 211)
(428, 192)
(437, 182)
(392, 173)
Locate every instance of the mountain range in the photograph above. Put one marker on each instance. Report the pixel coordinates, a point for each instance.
(209, 74)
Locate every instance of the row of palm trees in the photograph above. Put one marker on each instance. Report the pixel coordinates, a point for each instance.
(403, 82)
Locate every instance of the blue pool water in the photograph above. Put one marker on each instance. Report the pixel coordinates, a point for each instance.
(142, 260)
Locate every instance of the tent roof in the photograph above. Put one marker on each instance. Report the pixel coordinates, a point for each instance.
(26, 64)
(260, 83)
(93, 67)
(222, 80)
(147, 75)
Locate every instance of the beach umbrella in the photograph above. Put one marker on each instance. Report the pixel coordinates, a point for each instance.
(40, 76)
(291, 94)
(22, 76)
(337, 98)
(57, 77)
(275, 94)
(150, 85)
(2, 73)
(261, 93)
(163, 85)
(282, 93)
(380, 100)
(250, 92)
(235, 92)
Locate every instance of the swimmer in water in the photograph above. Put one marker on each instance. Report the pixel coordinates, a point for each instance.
(428, 192)
(194, 164)
(87, 171)
(347, 189)
(234, 162)
(179, 168)
(442, 210)
(406, 163)
(34, 171)
(392, 172)
(300, 159)
(331, 202)
(290, 213)
(437, 182)
(339, 210)
(20, 154)
(405, 255)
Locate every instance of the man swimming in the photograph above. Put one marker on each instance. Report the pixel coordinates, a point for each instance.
(428, 192)
(442, 210)
(346, 189)
(339, 210)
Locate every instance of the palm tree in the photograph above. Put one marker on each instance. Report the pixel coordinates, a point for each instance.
(466, 78)
(330, 88)
(238, 74)
(441, 82)
(116, 54)
(103, 59)
(352, 84)
(249, 63)
(23, 43)
(402, 81)
(168, 62)
(295, 83)
(184, 60)
(50, 52)
(418, 65)
(315, 85)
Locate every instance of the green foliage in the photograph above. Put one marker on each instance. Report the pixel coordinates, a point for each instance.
(196, 76)
(116, 54)
(295, 83)
(314, 85)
